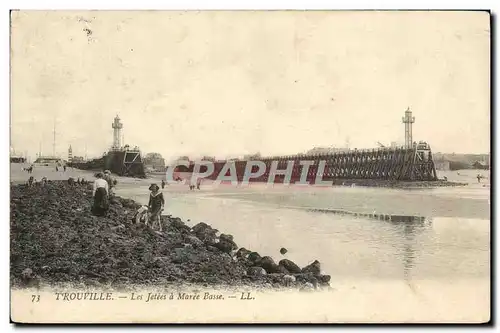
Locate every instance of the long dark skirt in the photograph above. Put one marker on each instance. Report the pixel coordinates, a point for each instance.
(101, 203)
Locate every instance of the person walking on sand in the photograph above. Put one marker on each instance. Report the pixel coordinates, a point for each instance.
(162, 184)
(155, 206)
(101, 203)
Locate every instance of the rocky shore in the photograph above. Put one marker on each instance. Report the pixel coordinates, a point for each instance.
(56, 240)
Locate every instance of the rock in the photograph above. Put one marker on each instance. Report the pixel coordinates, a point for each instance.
(268, 264)
(159, 261)
(226, 237)
(193, 240)
(324, 278)
(212, 248)
(313, 281)
(307, 287)
(289, 279)
(256, 271)
(254, 257)
(280, 269)
(177, 223)
(183, 255)
(205, 233)
(119, 227)
(314, 268)
(27, 273)
(225, 246)
(283, 251)
(226, 243)
(242, 253)
(290, 266)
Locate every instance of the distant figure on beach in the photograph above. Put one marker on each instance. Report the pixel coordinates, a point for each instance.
(43, 181)
(101, 203)
(57, 169)
(445, 178)
(162, 184)
(198, 183)
(479, 178)
(64, 167)
(30, 181)
(156, 205)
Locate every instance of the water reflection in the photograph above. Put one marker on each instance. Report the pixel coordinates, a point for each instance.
(410, 228)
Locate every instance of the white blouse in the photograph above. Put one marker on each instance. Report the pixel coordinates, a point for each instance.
(99, 182)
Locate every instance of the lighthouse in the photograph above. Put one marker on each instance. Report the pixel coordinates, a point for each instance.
(117, 128)
(70, 154)
(408, 120)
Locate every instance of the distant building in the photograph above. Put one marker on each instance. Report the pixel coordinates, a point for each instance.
(442, 165)
(154, 162)
(480, 166)
(77, 159)
(48, 161)
(16, 158)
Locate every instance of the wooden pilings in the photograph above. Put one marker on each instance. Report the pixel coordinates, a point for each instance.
(407, 164)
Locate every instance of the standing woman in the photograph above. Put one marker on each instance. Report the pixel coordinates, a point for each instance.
(155, 205)
(101, 203)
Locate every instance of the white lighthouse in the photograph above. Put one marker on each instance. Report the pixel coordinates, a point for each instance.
(408, 120)
(117, 128)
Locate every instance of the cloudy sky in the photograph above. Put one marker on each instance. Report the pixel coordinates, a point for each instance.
(222, 83)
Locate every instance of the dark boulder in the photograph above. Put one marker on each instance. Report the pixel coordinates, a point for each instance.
(226, 243)
(280, 269)
(268, 264)
(224, 246)
(254, 257)
(283, 251)
(226, 237)
(290, 266)
(242, 253)
(205, 233)
(314, 268)
(324, 278)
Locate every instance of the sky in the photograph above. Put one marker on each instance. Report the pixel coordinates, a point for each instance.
(232, 83)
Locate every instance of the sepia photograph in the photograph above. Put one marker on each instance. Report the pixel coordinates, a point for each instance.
(287, 166)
